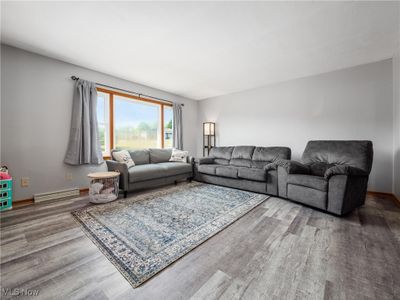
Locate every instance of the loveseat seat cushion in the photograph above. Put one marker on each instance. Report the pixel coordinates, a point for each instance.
(175, 168)
(252, 174)
(227, 171)
(159, 155)
(145, 172)
(314, 182)
(208, 169)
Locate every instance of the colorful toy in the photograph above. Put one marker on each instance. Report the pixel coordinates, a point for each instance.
(5, 189)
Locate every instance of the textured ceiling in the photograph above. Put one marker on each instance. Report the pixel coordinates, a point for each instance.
(204, 49)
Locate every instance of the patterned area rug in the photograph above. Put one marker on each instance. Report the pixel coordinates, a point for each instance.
(143, 234)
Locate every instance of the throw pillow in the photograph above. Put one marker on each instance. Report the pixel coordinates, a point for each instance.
(179, 155)
(123, 156)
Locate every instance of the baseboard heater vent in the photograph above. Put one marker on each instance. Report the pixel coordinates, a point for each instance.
(56, 195)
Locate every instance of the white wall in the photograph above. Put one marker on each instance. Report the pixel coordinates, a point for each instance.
(36, 105)
(354, 103)
(396, 123)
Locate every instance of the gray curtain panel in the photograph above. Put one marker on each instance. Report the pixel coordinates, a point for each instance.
(177, 126)
(84, 145)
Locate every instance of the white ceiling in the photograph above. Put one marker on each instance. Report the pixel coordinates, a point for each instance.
(204, 49)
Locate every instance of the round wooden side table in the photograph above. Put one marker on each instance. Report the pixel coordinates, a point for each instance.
(104, 187)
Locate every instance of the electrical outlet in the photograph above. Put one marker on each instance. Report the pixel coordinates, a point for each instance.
(24, 181)
(68, 176)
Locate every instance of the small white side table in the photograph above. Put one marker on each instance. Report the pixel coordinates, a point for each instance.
(104, 187)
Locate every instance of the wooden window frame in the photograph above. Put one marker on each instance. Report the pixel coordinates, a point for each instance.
(113, 93)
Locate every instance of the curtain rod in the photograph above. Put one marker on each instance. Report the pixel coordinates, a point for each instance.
(127, 91)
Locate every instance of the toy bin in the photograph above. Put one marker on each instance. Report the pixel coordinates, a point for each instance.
(5, 194)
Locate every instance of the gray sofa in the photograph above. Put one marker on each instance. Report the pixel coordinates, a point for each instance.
(152, 168)
(332, 176)
(242, 167)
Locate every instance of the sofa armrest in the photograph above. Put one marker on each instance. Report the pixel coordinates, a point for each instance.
(205, 160)
(291, 166)
(344, 170)
(122, 168)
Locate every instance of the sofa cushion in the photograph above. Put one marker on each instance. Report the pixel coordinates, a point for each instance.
(227, 171)
(242, 152)
(319, 168)
(240, 162)
(175, 168)
(145, 172)
(207, 169)
(159, 155)
(140, 157)
(271, 153)
(221, 152)
(252, 174)
(314, 182)
(221, 161)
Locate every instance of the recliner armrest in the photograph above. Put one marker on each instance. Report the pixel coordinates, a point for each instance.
(206, 160)
(291, 166)
(344, 170)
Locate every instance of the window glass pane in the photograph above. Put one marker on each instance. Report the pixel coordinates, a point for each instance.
(103, 117)
(168, 115)
(136, 124)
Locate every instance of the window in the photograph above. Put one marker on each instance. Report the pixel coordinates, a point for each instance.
(103, 120)
(168, 127)
(129, 122)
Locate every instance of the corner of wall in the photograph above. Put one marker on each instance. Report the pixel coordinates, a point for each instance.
(396, 124)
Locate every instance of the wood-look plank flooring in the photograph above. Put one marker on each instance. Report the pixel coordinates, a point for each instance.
(279, 250)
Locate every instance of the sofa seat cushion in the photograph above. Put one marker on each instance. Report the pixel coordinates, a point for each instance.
(252, 174)
(175, 168)
(208, 169)
(227, 171)
(145, 172)
(314, 182)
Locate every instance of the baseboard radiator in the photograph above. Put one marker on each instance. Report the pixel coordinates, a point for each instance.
(56, 195)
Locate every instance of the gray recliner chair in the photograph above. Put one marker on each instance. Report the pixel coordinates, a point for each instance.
(332, 176)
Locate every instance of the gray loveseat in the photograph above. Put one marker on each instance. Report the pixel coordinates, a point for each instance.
(332, 176)
(152, 168)
(242, 167)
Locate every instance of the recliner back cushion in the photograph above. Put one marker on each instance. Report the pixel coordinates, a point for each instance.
(221, 152)
(357, 154)
(269, 154)
(159, 155)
